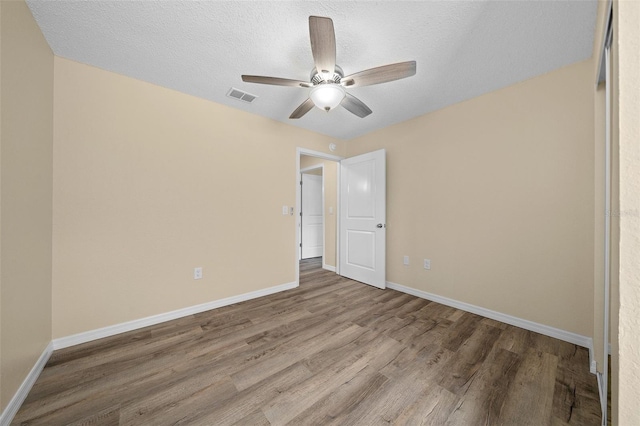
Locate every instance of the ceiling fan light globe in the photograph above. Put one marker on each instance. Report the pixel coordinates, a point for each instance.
(327, 96)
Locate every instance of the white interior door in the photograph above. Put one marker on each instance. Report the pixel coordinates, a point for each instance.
(363, 218)
(311, 217)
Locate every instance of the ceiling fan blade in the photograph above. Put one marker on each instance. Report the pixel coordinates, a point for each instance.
(381, 74)
(275, 81)
(355, 106)
(323, 44)
(304, 108)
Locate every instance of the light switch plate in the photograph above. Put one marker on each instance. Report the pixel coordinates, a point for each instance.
(197, 273)
(285, 210)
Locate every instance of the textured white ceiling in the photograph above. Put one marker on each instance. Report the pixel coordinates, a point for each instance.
(463, 48)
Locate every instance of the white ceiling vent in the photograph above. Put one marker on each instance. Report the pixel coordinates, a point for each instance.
(240, 95)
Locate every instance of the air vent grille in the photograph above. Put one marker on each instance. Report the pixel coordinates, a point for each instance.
(240, 95)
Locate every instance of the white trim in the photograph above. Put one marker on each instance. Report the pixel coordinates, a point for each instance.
(14, 405)
(324, 218)
(316, 166)
(557, 333)
(338, 177)
(328, 267)
(88, 336)
(603, 384)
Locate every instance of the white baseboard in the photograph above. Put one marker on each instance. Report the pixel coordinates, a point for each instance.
(328, 267)
(557, 333)
(88, 336)
(12, 408)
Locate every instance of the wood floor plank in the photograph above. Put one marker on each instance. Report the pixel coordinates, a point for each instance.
(90, 397)
(181, 403)
(529, 399)
(253, 398)
(482, 402)
(290, 404)
(98, 365)
(514, 339)
(387, 403)
(331, 351)
(256, 418)
(332, 336)
(328, 356)
(107, 417)
(574, 398)
(344, 400)
(409, 309)
(457, 373)
(461, 330)
(432, 407)
(426, 361)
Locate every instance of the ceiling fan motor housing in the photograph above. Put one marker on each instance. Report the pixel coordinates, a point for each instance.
(320, 78)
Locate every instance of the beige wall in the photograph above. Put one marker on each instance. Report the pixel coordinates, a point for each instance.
(330, 202)
(26, 205)
(498, 192)
(628, 123)
(150, 183)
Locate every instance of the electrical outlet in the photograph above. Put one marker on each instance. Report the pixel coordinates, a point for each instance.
(427, 264)
(197, 273)
(405, 260)
(285, 210)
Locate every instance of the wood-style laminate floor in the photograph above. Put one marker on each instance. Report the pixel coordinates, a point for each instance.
(332, 351)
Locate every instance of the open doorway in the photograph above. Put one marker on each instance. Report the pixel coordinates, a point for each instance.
(323, 246)
(318, 210)
(312, 215)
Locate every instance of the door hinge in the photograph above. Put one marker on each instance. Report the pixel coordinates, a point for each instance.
(300, 244)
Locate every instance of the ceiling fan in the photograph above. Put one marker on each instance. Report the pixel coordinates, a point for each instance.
(328, 83)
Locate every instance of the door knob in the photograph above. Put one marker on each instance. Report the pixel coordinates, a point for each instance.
(379, 225)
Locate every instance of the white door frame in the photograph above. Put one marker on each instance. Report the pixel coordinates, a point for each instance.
(604, 74)
(324, 156)
(324, 242)
(604, 385)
